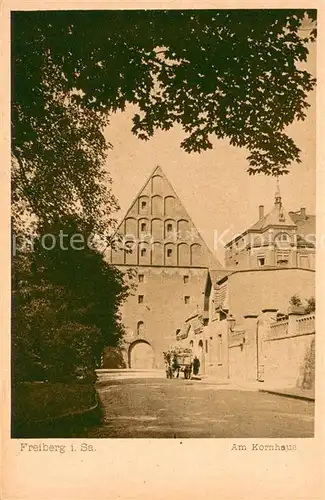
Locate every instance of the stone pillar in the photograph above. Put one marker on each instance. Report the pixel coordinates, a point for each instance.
(250, 346)
(267, 317)
(263, 327)
(294, 312)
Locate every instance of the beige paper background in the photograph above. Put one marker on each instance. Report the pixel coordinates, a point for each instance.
(159, 468)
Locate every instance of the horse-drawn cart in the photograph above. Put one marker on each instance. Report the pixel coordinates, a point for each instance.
(178, 360)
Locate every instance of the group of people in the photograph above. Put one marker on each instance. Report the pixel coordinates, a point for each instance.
(173, 368)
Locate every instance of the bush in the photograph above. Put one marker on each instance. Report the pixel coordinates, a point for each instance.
(65, 310)
(113, 358)
(311, 305)
(34, 402)
(295, 301)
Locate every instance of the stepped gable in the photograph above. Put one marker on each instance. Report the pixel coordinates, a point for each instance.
(158, 231)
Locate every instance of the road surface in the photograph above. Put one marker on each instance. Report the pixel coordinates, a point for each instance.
(140, 408)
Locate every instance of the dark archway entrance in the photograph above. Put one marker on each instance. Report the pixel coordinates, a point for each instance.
(141, 355)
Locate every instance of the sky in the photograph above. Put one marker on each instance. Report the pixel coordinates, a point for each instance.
(214, 186)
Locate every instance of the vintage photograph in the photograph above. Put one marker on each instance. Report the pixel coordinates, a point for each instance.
(163, 224)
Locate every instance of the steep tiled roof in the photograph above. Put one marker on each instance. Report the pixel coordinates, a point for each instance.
(305, 226)
(277, 217)
(159, 188)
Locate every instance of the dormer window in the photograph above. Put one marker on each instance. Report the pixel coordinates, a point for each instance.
(283, 239)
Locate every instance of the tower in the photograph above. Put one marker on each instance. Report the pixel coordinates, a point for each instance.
(159, 241)
(277, 197)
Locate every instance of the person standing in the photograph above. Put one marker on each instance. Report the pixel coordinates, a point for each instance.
(175, 366)
(196, 365)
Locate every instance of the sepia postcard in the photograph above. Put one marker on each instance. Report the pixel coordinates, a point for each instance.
(162, 291)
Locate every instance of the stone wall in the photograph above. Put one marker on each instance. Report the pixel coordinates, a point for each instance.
(250, 291)
(289, 353)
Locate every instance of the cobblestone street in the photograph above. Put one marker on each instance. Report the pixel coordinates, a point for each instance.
(163, 408)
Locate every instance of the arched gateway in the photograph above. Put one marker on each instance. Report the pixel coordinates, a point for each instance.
(141, 355)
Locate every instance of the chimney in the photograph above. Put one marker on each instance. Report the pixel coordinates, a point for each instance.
(303, 212)
(261, 211)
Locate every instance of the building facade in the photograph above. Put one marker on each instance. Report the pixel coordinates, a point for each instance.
(266, 266)
(228, 332)
(181, 292)
(277, 239)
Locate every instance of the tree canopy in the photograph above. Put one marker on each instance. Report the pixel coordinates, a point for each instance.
(232, 74)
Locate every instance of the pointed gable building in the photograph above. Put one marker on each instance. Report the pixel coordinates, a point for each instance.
(158, 231)
(158, 239)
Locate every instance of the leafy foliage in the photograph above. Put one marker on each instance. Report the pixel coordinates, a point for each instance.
(231, 73)
(65, 309)
(295, 300)
(311, 305)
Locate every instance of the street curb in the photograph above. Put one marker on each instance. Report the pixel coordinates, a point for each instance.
(288, 395)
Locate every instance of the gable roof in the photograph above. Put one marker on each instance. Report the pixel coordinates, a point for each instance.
(157, 188)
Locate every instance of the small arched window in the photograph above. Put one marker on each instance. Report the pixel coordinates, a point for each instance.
(143, 252)
(140, 327)
(169, 252)
(129, 247)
